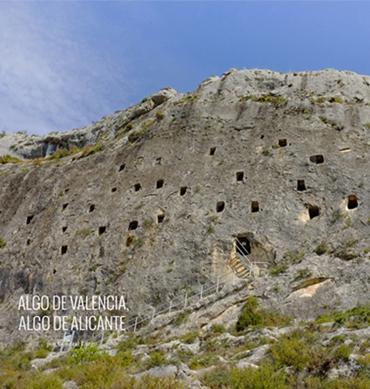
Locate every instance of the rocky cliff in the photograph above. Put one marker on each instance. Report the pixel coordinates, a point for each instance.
(150, 200)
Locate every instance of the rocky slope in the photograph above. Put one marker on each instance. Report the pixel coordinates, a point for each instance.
(148, 201)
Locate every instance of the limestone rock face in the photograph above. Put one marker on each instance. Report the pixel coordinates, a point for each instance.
(279, 160)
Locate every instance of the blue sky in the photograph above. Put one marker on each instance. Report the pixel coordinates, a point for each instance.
(66, 64)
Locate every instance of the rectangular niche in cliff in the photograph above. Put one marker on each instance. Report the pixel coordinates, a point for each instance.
(64, 206)
(301, 186)
(239, 176)
(92, 208)
(220, 206)
(183, 190)
(160, 218)
(313, 211)
(255, 206)
(212, 151)
(122, 168)
(64, 229)
(352, 201)
(29, 219)
(137, 187)
(64, 249)
(133, 225)
(283, 142)
(243, 246)
(317, 158)
(102, 230)
(160, 184)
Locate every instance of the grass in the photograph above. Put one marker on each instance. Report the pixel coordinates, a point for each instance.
(2, 243)
(265, 377)
(322, 248)
(358, 317)
(275, 100)
(4, 159)
(253, 316)
(290, 257)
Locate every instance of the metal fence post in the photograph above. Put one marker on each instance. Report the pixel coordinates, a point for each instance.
(186, 299)
(169, 309)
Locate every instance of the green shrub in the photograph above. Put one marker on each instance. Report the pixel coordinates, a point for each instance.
(252, 316)
(342, 352)
(218, 328)
(189, 337)
(203, 360)
(2, 243)
(42, 350)
(265, 377)
(181, 318)
(217, 379)
(249, 315)
(358, 317)
(41, 381)
(90, 150)
(159, 115)
(83, 354)
(276, 100)
(156, 358)
(278, 269)
(321, 249)
(4, 159)
(289, 350)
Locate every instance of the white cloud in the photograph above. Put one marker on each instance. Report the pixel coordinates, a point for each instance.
(52, 75)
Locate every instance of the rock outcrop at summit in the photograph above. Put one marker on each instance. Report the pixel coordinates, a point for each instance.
(149, 201)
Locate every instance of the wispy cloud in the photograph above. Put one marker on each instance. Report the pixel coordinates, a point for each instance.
(52, 74)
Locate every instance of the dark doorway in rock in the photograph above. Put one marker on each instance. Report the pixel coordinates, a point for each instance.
(212, 151)
(92, 208)
(283, 142)
(137, 187)
(64, 249)
(313, 211)
(220, 206)
(319, 158)
(29, 219)
(160, 218)
(243, 246)
(262, 136)
(183, 190)
(240, 176)
(64, 229)
(28, 242)
(301, 186)
(114, 189)
(122, 167)
(352, 201)
(160, 184)
(64, 206)
(102, 230)
(255, 206)
(133, 225)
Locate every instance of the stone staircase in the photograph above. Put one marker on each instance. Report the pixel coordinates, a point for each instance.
(238, 268)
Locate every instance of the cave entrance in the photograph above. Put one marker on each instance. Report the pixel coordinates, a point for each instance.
(352, 201)
(242, 245)
(313, 211)
(317, 158)
(220, 206)
(301, 186)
